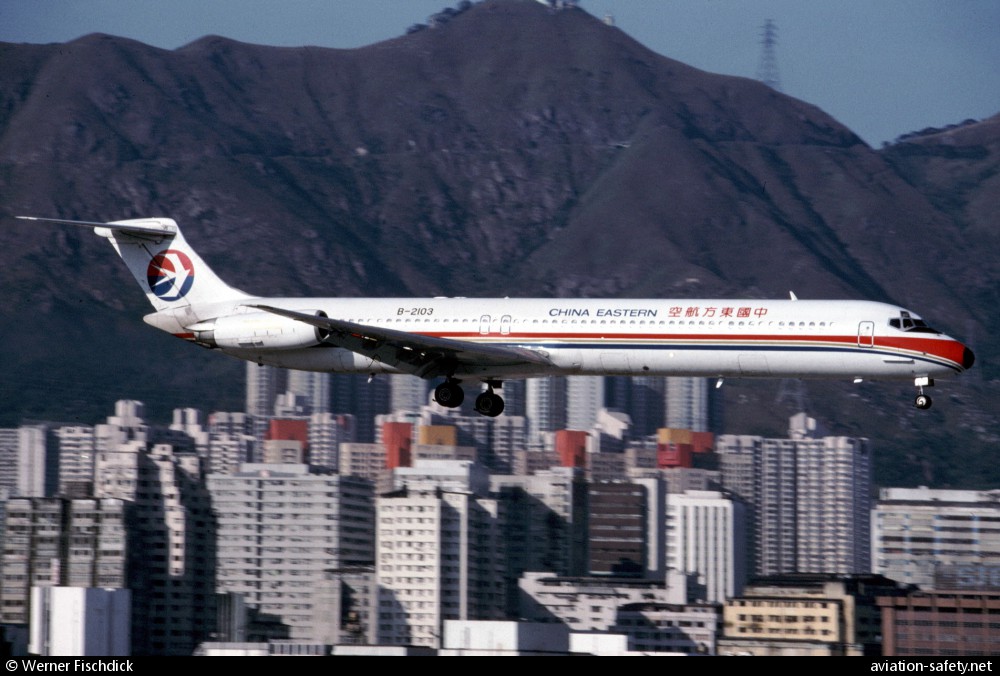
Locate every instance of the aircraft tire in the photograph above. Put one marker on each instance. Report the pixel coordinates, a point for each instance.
(449, 395)
(923, 402)
(489, 404)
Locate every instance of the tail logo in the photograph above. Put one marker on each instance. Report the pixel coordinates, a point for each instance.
(170, 274)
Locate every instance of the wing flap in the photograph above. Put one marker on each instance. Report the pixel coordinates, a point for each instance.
(420, 355)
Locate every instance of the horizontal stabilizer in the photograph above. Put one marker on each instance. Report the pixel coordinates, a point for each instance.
(143, 227)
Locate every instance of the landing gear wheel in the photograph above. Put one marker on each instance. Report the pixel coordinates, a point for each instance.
(923, 402)
(489, 404)
(449, 394)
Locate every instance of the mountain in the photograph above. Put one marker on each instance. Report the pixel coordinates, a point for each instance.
(511, 150)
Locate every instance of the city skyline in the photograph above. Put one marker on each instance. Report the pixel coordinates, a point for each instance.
(449, 539)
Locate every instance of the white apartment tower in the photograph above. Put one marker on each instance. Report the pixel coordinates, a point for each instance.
(281, 529)
(808, 497)
(584, 400)
(440, 556)
(327, 431)
(834, 513)
(706, 540)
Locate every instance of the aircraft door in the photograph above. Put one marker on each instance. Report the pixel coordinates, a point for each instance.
(505, 325)
(484, 325)
(866, 334)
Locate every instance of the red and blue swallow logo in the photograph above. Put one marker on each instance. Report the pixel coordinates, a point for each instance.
(170, 274)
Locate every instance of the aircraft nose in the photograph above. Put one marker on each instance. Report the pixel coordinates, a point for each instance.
(968, 359)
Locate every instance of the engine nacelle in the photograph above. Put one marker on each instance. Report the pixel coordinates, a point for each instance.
(258, 330)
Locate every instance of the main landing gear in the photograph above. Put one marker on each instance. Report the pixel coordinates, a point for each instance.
(923, 401)
(451, 395)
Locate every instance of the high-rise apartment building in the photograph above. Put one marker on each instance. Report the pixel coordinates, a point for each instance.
(440, 555)
(706, 540)
(407, 393)
(281, 528)
(545, 407)
(76, 456)
(8, 460)
(641, 397)
(327, 431)
(617, 528)
(29, 461)
(510, 435)
(546, 524)
(232, 441)
(50, 542)
(808, 497)
(363, 397)
(363, 460)
(915, 531)
(584, 400)
(263, 385)
(687, 404)
(313, 388)
(347, 606)
(171, 540)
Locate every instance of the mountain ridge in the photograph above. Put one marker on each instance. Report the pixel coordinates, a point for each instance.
(511, 151)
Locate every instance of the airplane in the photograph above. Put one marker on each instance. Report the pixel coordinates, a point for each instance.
(492, 340)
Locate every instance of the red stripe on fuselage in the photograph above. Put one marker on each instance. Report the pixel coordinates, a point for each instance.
(948, 350)
(939, 348)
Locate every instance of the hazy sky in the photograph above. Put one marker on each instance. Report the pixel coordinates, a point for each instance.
(881, 67)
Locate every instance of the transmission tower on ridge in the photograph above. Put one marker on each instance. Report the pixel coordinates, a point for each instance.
(767, 69)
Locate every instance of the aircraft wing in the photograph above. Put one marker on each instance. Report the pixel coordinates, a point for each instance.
(423, 356)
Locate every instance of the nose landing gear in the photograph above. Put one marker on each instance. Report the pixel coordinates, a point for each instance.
(923, 401)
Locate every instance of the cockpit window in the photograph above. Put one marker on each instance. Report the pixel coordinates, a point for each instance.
(906, 322)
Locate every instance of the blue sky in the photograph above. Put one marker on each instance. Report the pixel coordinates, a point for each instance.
(881, 67)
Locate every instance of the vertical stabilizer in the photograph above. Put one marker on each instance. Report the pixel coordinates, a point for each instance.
(167, 269)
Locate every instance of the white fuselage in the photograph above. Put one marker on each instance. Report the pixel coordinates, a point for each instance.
(673, 337)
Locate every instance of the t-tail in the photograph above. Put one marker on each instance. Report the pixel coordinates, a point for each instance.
(172, 275)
